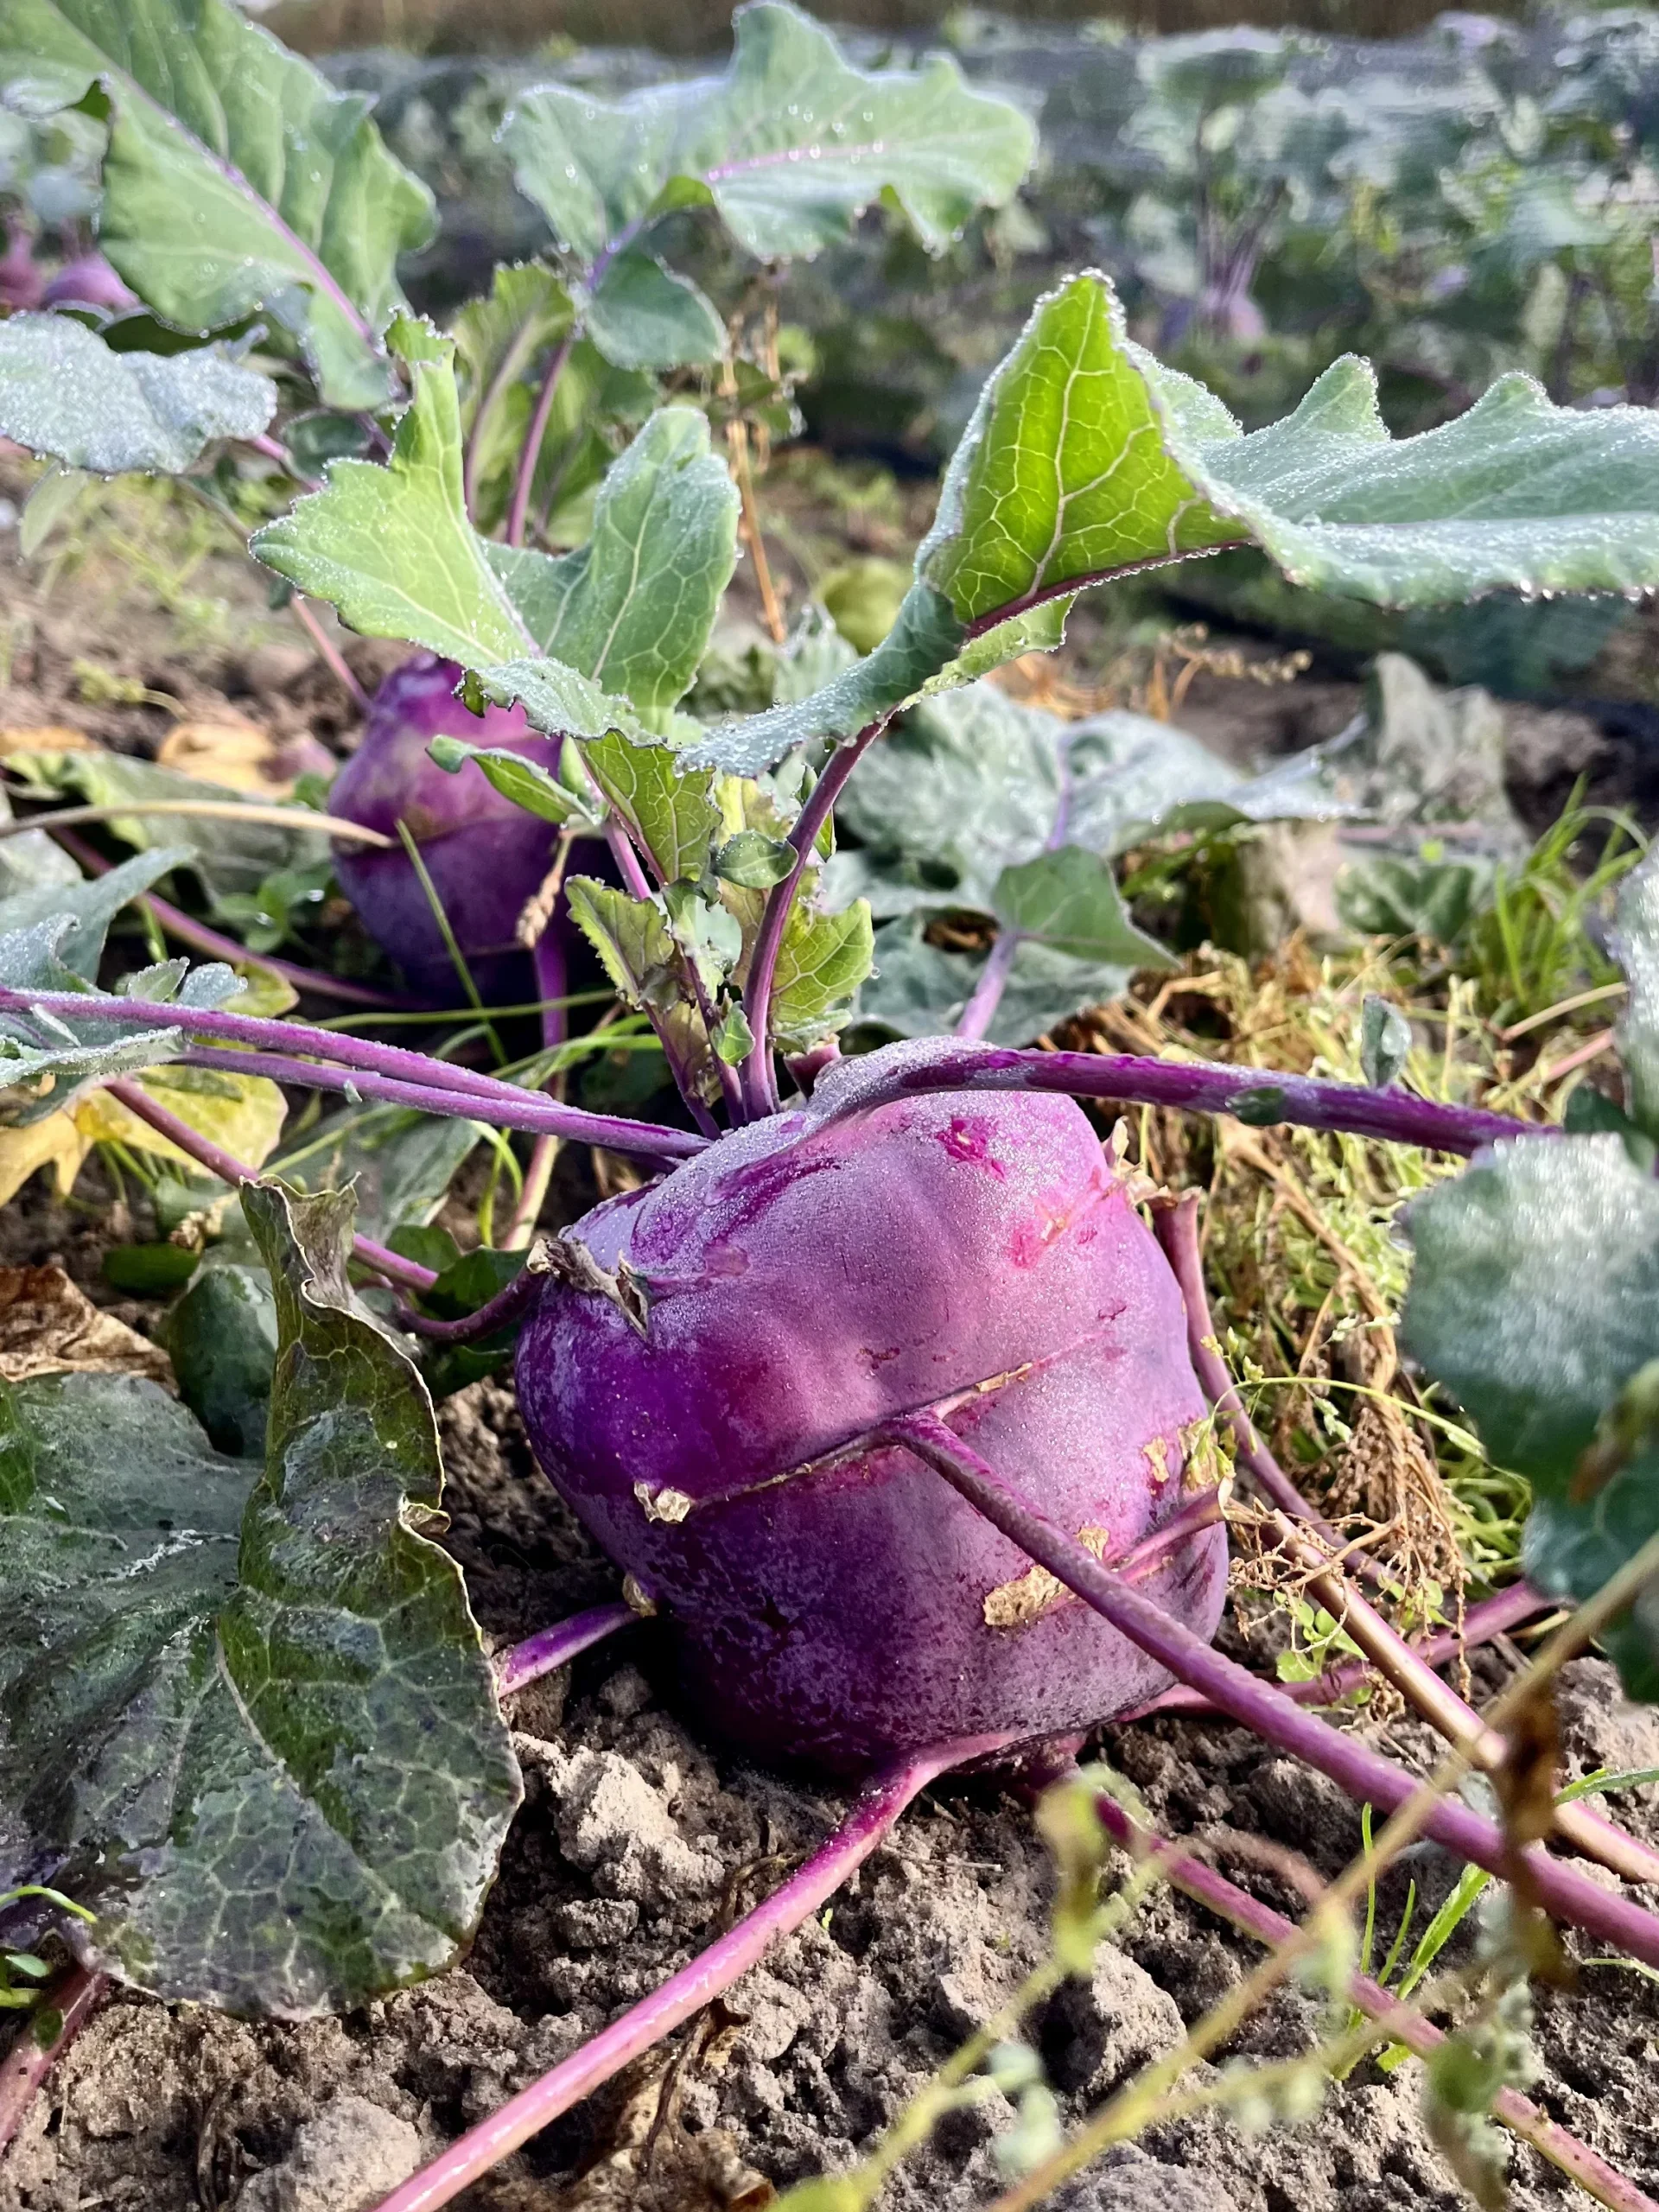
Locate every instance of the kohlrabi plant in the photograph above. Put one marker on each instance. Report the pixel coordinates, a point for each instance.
(879, 1386)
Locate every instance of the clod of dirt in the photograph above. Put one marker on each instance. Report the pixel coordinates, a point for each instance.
(344, 2159)
(1128, 2181)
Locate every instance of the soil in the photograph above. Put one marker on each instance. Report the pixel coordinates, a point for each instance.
(638, 1842)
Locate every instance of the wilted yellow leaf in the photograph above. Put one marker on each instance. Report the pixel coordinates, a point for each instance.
(48, 737)
(238, 754)
(54, 1143)
(49, 1327)
(241, 1113)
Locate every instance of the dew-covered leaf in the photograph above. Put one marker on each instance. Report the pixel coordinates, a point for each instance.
(580, 640)
(391, 547)
(673, 813)
(221, 1336)
(51, 939)
(236, 181)
(63, 393)
(822, 962)
(1068, 901)
(639, 951)
(1384, 1041)
(526, 782)
(398, 1165)
(1535, 1298)
(1085, 458)
(922, 990)
(526, 312)
(972, 782)
(273, 1761)
(1634, 943)
(642, 316)
(632, 608)
(789, 143)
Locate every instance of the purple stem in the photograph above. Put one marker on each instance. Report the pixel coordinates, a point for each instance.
(201, 939)
(713, 1971)
(1201, 1882)
(1493, 1617)
(550, 1647)
(1197, 1514)
(1589, 1831)
(637, 884)
(980, 1009)
(1361, 1772)
(230, 1170)
(477, 1094)
(27, 2064)
(329, 653)
(760, 1083)
(1177, 1227)
(517, 1109)
(1255, 1096)
(495, 1313)
(527, 459)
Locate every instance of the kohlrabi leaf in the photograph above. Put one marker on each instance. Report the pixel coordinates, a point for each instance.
(63, 392)
(1535, 1293)
(821, 963)
(499, 341)
(51, 939)
(1535, 1298)
(398, 1165)
(672, 813)
(526, 312)
(272, 1760)
(1634, 943)
(391, 547)
(920, 989)
(973, 782)
(526, 782)
(790, 143)
(639, 951)
(1085, 458)
(1068, 901)
(581, 640)
(235, 181)
(632, 608)
(222, 1336)
(641, 315)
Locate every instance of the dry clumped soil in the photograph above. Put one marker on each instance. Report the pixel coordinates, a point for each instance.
(637, 1843)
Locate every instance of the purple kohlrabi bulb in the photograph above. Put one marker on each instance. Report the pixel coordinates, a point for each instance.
(485, 856)
(807, 1278)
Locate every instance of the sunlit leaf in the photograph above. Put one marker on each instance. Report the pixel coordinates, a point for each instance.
(236, 181)
(63, 392)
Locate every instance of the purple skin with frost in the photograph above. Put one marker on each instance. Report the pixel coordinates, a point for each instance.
(810, 1278)
(486, 856)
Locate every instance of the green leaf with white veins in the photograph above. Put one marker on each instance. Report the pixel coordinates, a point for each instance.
(790, 143)
(249, 1719)
(633, 607)
(1085, 458)
(581, 641)
(235, 181)
(391, 547)
(63, 392)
